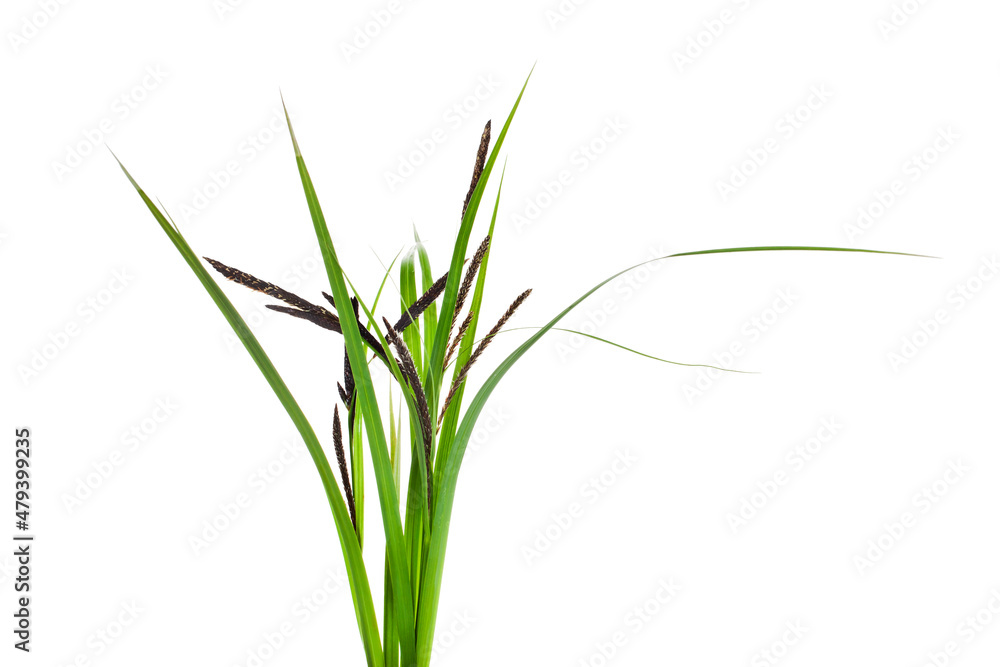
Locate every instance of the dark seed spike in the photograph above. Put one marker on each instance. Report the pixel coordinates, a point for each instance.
(331, 323)
(365, 334)
(458, 338)
(343, 394)
(264, 287)
(477, 171)
(338, 445)
(460, 378)
(362, 329)
(348, 373)
(410, 372)
(470, 275)
(416, 309)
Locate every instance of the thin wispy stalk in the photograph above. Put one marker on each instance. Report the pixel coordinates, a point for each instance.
(409, 369)
(483, 344)
(338, 445)
(477, 170)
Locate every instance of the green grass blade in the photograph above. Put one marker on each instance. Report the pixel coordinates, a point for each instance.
(435, 369)
(356, 351)
(358, 475)
(407, 295)
(390, 641)
(431, 585)
(628, 349)
(427, 280)
(417, 522)
(357, 576)
(418, 458)
(774, 248)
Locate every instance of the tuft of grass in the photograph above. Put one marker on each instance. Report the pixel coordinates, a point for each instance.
(417, 350)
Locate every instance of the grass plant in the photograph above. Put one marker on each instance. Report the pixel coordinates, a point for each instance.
(431, 351)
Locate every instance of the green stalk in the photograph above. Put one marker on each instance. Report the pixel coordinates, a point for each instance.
(390, 637)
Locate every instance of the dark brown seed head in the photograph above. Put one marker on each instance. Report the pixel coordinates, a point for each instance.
(409, 369)
(460, 378)
(338, 445)
(329, 321)
(477, 170)
(264, 287)
(348, 373)
(420, 305)
(470, 275)
(458, 338)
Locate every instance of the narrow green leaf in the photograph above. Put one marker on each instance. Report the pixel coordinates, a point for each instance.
(357, 576)
(445, 495)
(627, 349)
(427, 280)
(417, 520)
(407, 295)
(418, 459)
(356, 351)
(390, 641)
(358, 474)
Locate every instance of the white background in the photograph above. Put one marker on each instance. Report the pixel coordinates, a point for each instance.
(71, 225)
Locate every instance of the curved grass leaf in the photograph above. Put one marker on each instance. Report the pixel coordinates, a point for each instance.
(628, 349)
(357, 576)
(431, 585)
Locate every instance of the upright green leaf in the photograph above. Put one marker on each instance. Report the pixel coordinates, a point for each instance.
(427, 280)
(356, 351)
(407, 295)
